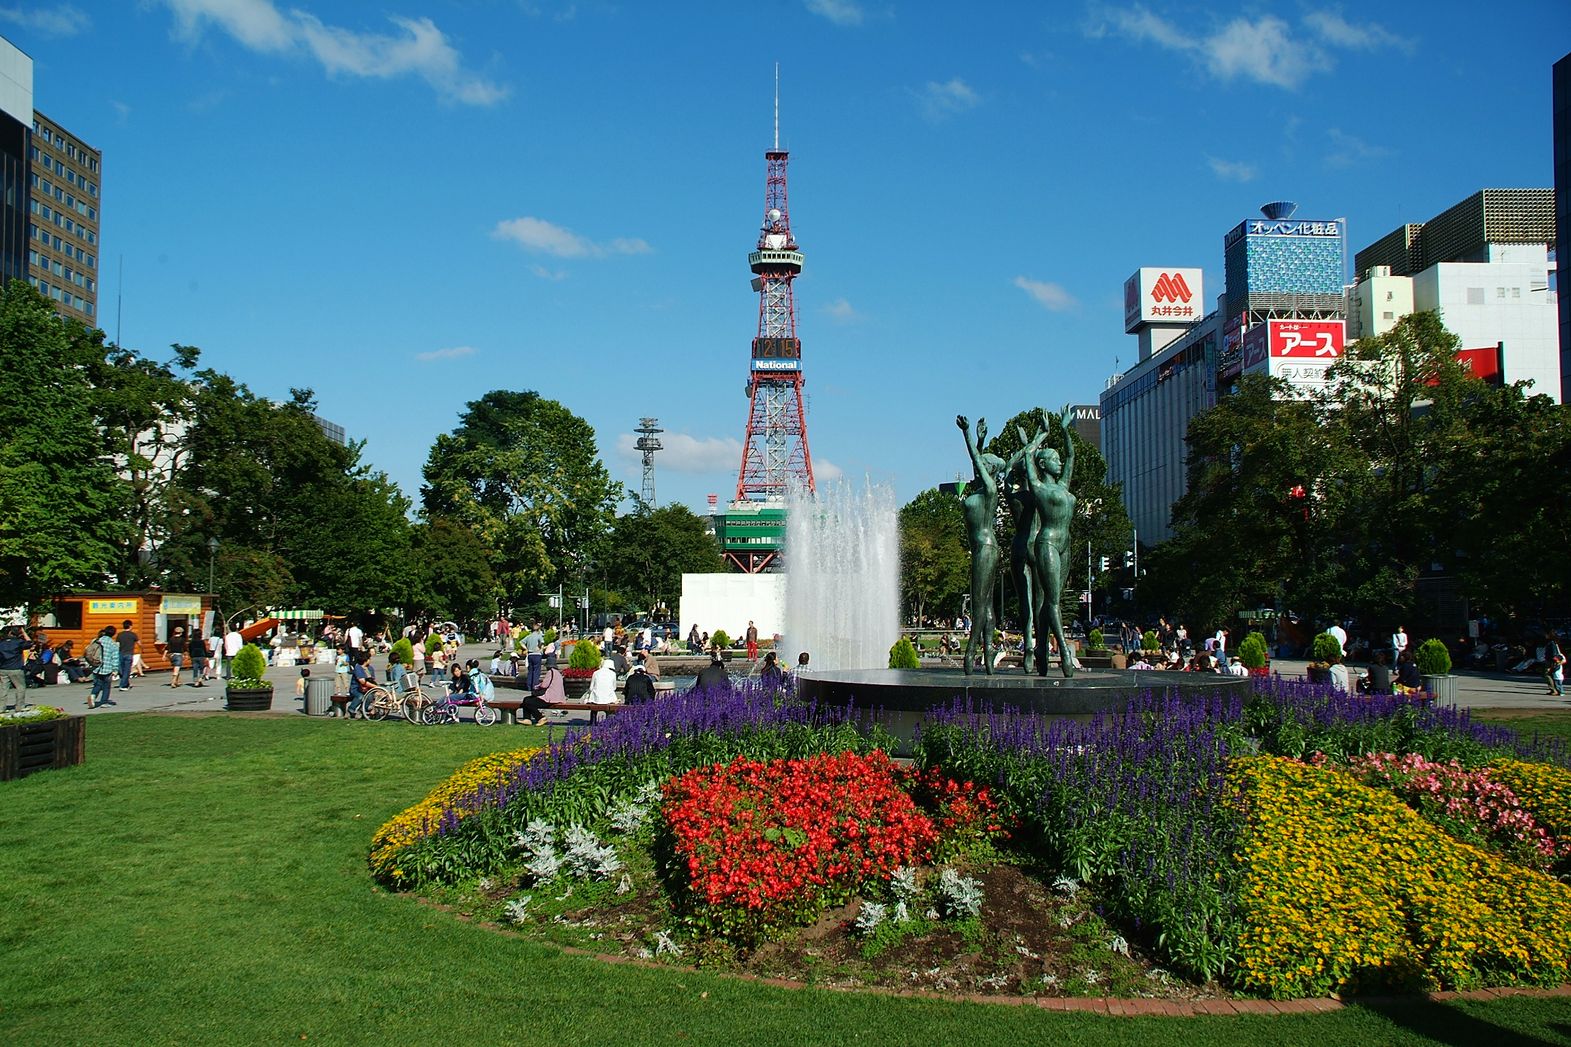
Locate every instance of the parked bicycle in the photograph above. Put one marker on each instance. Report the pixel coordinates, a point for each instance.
(409, 699)
(445, 709)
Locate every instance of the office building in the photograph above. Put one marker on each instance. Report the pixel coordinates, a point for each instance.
(1562, 135)
(62, 253)
(16, 117)
(1484, 265)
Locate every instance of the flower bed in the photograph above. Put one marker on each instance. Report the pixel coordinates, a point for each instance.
(729, 818)
(448, 804)
(1347, 888)
(767, 845)
(1471, 805)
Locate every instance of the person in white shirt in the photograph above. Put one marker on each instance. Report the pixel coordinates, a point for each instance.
(355, 637)
(1340, 633)
(602, 685)
(1339, 677)
(1398, 643)
(1221, 642)
(1235, 667)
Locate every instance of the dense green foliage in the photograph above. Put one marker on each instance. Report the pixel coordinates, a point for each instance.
(1342, 505)
(1252, 651)
(1432, 657)
(63, 510)
(1327, 648)
(522, 471)
(249, 667)
(584, 655)
(402, 653)
(649, 550)
(935, 568)
(903, 655)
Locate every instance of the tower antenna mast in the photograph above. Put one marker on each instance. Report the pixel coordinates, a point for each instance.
(648, 443)
(775, 456)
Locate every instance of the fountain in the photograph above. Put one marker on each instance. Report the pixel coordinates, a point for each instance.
(842, 595)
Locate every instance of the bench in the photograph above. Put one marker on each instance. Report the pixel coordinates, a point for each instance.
(509, 707)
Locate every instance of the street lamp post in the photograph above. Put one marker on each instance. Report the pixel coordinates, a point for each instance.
(212, 553)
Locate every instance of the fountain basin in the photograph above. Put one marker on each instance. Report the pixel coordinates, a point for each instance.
(901, 698)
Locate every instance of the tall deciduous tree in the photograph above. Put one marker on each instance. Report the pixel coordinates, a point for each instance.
(935, 567)
(523, 471)
(650, 549)
(62, 504)
(455, 575)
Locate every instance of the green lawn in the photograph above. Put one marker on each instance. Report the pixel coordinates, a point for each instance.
(202, 880)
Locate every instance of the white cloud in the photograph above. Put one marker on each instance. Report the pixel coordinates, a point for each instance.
(1232, 170)
(840, 12)
(454, 353)
(417, 48)
(1266, 50)
(61, 20)
(542, 237)
(842, 311)
(825, 471)
(941, 100)
(122, 110)
(1331, 27)
(1347, 150)
(1047, 295)
(545, 273)
(682, 453)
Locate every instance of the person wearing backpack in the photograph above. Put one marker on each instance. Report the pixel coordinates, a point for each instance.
(105, 666)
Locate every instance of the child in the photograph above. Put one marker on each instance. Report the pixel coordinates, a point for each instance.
(305, 674)
(438, 661)
(341, 672)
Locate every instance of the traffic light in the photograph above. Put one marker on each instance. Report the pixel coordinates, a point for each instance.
(1105, 563)
(1129, 557)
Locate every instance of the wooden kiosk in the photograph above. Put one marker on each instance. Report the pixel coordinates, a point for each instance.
(153, 614)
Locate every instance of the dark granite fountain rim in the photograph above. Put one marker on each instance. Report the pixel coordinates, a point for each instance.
(1088, 691)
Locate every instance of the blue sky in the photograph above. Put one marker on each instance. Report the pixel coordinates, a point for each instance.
(408, 204)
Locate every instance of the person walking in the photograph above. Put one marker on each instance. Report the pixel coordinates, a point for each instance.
(197, 649)
(534, 649)
(104, 672)
(125, 656)
(13, 667)
(215, 655)
(1554, 666)
(752, 641)
(175, 649)
(233, 641)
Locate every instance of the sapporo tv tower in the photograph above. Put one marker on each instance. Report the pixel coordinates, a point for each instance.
(774, 454)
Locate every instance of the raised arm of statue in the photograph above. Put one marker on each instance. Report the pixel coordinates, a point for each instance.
(1064, 420)
(973, 446)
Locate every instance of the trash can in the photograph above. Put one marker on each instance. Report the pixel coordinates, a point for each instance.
(318, 695)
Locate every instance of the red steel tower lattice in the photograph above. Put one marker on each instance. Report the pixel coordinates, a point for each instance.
(775, 454)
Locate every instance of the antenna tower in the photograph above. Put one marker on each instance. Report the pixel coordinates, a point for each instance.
(648, 443)
(775, 454)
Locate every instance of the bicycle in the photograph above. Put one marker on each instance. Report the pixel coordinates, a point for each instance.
(409, 701)
(445, 710)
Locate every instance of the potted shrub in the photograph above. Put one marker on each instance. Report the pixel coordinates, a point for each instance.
(248, 690)
(1327, 649)
(720, 641)
(903, 655)
(1096, 641)
(1252, 652)
(1434, 663)
(582, 661)
(1149, 642)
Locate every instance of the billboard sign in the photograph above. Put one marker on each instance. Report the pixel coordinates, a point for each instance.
(1163, 296)
(1483, 364)
(776, 365)
(1256, 346)
(1281, 227)
(1306, 339)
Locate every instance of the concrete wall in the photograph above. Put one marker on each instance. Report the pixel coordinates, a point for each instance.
(1508, 302)
(729, 601)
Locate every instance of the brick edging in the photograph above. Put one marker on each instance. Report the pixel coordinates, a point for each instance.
(1113, 1006)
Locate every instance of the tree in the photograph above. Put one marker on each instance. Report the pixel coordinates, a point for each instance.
(523, 472)
(63, 507)
(935, 570)
(455, 575)
(650, 549)
(143, 408)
